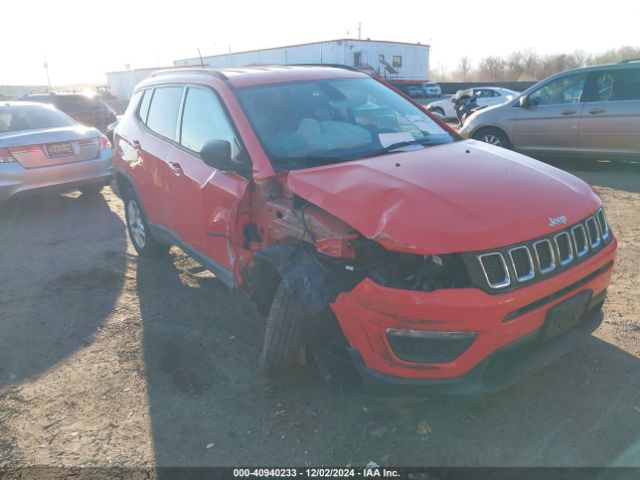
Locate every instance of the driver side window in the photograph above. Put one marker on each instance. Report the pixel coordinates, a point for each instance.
(205, 119)
(564, 90)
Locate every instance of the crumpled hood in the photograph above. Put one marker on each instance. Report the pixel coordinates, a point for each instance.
(459, 197)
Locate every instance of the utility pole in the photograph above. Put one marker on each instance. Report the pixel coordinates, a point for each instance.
(359, 30)
(46, 69)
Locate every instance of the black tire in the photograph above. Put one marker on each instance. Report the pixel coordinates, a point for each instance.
(493, 136)
(139, 234)
(438, 110)
(91, 190)
(283, 338)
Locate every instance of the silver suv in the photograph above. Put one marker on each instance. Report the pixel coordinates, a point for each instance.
(593, 111)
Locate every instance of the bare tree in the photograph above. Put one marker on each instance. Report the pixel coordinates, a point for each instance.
(464, 69)
(515, 67)
(527, 65)
(439, 74)
(492, 69)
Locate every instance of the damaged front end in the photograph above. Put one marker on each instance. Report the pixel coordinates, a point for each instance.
(315, 258)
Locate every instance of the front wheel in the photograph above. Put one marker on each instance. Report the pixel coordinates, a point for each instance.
(144, 243)
(493, 136)
(283, 338)
(438, 110)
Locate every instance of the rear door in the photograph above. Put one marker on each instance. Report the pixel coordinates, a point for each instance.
(549, 124)
(154, 143)
(204, 200)
(610, 121)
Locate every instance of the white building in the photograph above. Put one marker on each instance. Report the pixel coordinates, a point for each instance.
(395, 61)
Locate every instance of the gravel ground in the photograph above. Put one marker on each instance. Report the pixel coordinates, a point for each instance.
(108, 360)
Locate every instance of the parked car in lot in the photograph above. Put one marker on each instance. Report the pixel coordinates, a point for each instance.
(431, 89)
(42, 149)
(349, 214)
(590, 112)
(85, 109)
(485, 96)
(415, 92)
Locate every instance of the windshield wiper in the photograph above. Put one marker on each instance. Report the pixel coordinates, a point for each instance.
(309, 159)
(421, 141)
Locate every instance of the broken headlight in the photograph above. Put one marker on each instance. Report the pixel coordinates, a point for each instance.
(411, 272)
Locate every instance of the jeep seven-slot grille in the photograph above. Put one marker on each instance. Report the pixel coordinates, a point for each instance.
(545, 255)
(495, 269)
(516, 265)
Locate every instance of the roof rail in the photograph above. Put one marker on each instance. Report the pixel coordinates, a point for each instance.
(200, 70)
(630, 60)
(330, 65)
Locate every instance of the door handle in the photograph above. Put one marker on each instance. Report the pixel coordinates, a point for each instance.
(176, 168)
(568, 112)
(595, 111)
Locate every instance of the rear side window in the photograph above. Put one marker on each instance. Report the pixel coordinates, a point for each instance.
(616, 85)
(143, 112)
(205, 119)
(163, 111)
(32, 117)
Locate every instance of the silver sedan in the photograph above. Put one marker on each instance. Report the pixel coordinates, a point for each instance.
(43, 149)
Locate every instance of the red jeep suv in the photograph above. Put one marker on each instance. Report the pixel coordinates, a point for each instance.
(350, 214)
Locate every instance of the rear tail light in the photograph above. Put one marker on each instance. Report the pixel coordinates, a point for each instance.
(105, 144)
(5, 156)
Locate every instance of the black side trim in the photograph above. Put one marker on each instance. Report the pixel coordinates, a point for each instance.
(556, 295)
(167, 236)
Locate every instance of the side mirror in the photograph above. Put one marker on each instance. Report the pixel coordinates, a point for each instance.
(217, 154)
(524, 101)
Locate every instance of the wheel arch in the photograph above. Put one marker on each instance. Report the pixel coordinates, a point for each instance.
(477, 131)
(123, 182)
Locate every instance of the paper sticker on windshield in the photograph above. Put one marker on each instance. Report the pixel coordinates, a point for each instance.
(424, 123)
(387, 139)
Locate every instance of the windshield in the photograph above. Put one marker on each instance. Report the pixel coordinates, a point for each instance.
(301, 124)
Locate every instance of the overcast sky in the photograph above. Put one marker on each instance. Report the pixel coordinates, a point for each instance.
(83, 39)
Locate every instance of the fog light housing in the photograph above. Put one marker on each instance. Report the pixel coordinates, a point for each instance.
(426, 346)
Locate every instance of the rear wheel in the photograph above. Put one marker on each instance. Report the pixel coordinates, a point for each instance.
(493, 136)
(438, 110)
(144, 243)
(283, 338)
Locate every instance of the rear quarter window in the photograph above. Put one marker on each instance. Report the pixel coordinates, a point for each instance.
(143, 111)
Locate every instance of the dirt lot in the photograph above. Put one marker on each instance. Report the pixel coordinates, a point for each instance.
(109, 360)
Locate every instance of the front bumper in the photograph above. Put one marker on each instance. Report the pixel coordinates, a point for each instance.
(369, 310)
(504, 367)
(16, 180)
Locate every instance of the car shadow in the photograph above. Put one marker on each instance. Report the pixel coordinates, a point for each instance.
(40, 237)
(210, 405)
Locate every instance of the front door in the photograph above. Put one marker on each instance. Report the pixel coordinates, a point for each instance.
(205, 201)
(549, 124)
